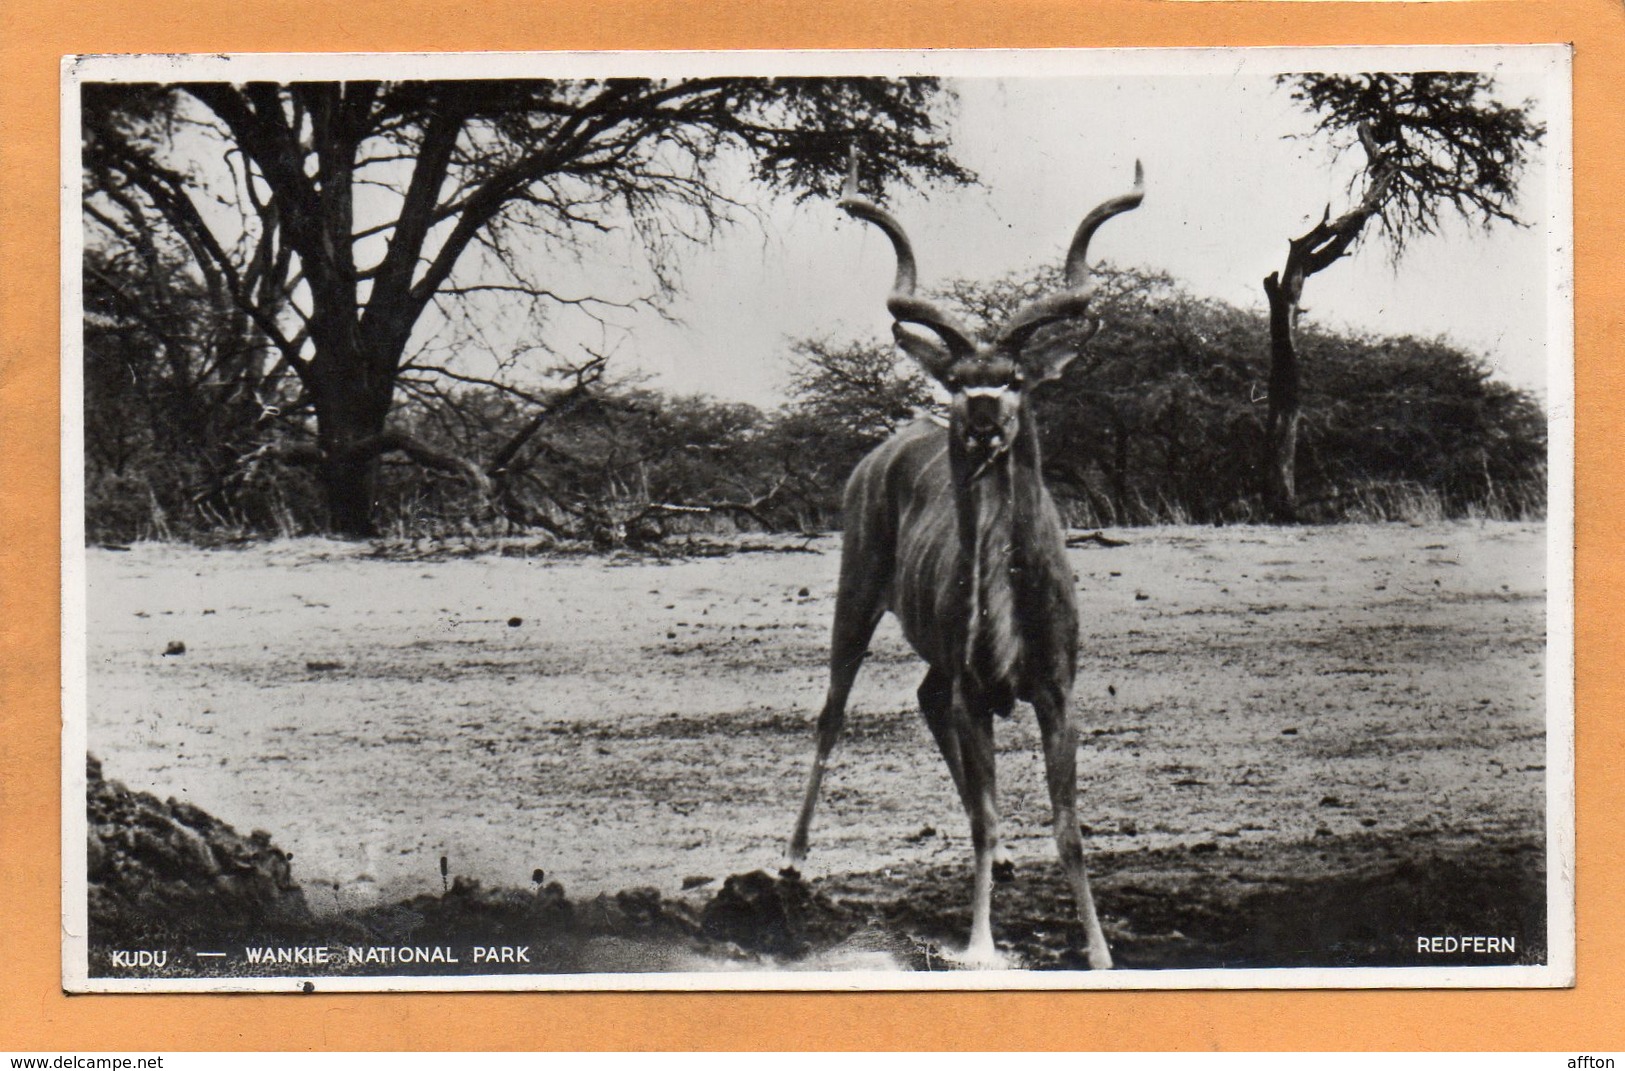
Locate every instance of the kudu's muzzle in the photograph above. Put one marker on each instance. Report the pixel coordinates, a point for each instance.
(988, 419)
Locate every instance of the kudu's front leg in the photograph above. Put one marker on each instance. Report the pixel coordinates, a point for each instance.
(1061, 768)
(830, 720)
(856, 616)
(974, 726)
(936, 703)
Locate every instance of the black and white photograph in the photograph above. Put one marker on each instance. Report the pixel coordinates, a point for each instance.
(818, 520)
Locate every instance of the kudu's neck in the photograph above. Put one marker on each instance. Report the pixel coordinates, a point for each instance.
(1003, 496)
(999, 512)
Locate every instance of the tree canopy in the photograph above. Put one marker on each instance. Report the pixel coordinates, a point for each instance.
(1161, 420)
(348, 210)
(1453, 147)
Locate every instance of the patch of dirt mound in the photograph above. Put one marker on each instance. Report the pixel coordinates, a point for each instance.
(1338, 902)
(171, 865)
(779, 916)
(629, 931)
(1355, 901)
(167, 876)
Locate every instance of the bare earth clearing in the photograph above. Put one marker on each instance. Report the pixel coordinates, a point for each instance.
(1301, 746)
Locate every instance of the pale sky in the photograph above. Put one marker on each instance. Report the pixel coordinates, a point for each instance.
(1225, 190)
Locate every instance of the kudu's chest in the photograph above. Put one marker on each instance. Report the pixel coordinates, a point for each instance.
(982, 583)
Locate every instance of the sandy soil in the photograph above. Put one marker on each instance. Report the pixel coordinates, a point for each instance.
(1291, 730)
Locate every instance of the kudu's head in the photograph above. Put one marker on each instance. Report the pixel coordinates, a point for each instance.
(988, 382)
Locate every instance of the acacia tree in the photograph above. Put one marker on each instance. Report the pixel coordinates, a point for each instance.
(1135, 383)
(858, 390)
(1436, 144)
(353, 209)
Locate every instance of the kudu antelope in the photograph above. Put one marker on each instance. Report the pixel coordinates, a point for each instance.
(954, 532)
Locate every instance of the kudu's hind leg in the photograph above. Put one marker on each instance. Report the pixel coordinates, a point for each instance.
(1061, 768)
(936, 702)
(856, 615)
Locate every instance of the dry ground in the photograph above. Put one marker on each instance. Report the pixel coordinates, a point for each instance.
(1300, 745)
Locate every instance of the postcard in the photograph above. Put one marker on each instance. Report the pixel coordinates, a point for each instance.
(818, 520)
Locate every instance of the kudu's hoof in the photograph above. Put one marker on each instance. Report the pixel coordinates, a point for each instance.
(979, 959)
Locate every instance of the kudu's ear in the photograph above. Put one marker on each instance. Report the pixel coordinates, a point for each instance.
(931, 355)
(1046, 356)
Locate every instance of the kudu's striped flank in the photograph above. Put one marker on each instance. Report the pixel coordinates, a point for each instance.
(953, 530)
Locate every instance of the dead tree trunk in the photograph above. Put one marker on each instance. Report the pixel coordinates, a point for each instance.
(1307, 254)
(1285, 405)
